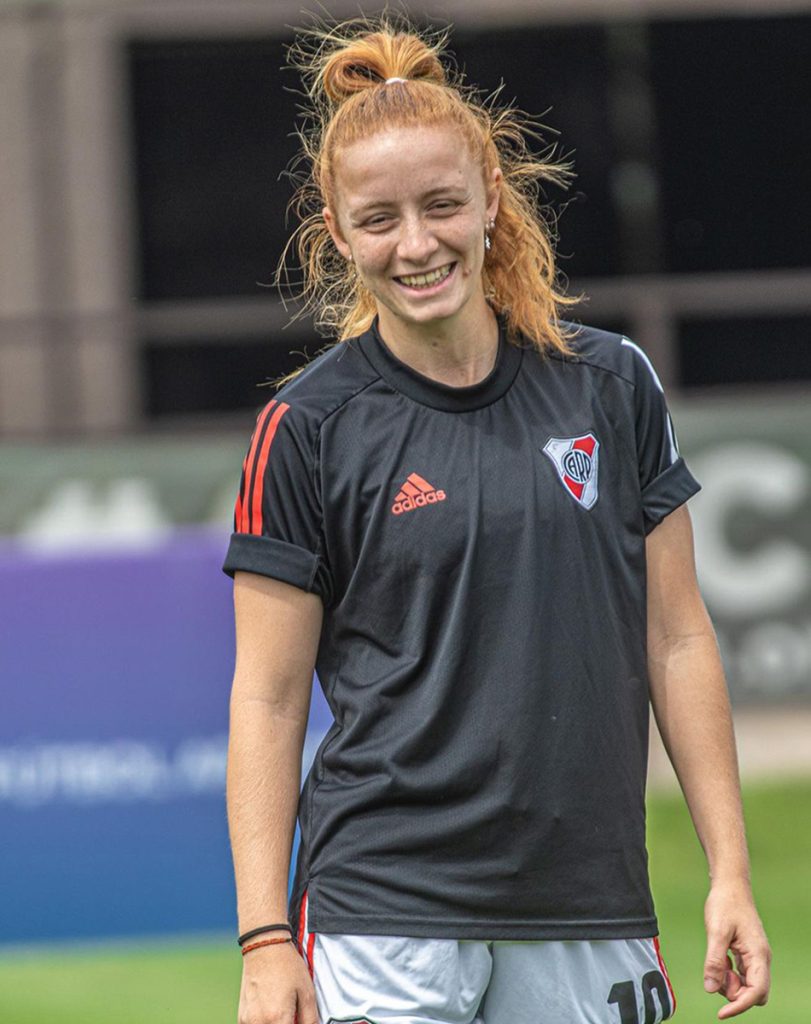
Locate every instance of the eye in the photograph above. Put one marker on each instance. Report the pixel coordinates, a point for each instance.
(444, 206)
(377, 220)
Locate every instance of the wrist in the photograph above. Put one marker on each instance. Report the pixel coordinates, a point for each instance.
(731, 869)
(263, 943)
(735, 887)
(273, 929)
(730, 877)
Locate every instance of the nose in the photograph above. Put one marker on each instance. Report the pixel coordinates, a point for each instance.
(416, 242)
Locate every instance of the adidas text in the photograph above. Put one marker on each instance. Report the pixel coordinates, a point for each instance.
(409, 503)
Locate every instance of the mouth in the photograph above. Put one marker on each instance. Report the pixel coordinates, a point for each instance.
(429, 281)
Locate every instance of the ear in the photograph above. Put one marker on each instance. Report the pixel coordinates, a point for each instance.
(335, 231)
(493, 191)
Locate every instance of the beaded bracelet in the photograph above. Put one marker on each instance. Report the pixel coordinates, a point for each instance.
(264, 928)
(265, 942)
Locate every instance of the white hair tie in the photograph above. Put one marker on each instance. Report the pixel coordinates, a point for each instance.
(390, 80)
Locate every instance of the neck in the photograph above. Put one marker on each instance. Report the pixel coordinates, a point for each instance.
(455, 352)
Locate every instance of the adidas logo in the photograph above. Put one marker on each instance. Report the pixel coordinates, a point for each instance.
(415, 493)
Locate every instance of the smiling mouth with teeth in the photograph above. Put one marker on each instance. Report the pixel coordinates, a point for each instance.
(426, 280)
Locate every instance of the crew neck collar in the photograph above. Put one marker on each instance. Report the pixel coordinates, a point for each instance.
(427, 391)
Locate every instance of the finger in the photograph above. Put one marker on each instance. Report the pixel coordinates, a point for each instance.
(716, 964)
(745, 1000)
(758, 977)
(307, 1009)
(732, 985)
(753, 992)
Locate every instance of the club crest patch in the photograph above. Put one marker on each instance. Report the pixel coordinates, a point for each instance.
(576, 460)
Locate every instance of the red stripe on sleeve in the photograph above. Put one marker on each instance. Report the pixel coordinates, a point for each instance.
(243, 526)
(258, 487)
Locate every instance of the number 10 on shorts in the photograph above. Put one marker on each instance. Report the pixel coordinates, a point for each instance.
(657, 1008)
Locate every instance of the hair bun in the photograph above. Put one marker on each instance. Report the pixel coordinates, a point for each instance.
(355, 64)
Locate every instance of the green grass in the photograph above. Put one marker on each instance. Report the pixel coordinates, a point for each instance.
(176, 983)
(160, 984)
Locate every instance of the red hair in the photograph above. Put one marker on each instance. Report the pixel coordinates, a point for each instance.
(345, 70)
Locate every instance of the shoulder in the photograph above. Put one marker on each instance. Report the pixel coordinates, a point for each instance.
(608, 352)
(326, 384)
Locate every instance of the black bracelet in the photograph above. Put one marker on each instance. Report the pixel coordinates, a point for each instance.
(265, 928)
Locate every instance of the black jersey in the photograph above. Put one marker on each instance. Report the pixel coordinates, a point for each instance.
(480, 553)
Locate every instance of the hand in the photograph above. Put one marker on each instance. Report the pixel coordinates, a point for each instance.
(733, 926)
(276, 988)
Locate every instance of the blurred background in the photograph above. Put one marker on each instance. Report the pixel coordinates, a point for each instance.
(143, 148)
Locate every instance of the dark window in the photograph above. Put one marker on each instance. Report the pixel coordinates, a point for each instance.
(214, 376)
(560, 76)
(744, 350)
(735, 136)
(212, 124)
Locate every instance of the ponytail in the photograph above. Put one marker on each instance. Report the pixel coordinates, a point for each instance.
(362, 78)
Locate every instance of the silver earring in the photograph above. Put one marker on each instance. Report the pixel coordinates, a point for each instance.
(488, 245)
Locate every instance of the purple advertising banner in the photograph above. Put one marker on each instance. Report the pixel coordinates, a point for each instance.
(116, 672)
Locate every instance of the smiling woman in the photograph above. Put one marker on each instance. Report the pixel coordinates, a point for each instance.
(467, 515)
(411, 212)
(413, 154)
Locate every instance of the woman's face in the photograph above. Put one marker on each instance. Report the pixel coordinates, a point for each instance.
(411, 208)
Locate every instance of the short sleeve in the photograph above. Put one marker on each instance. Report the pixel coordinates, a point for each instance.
(664, 479)
(278, 512)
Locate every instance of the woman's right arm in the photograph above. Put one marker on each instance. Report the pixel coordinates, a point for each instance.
(277, 632)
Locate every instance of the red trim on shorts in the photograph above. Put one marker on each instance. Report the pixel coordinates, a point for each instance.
(663, 969)
(306, 939)
(302, 919)
(310, 947)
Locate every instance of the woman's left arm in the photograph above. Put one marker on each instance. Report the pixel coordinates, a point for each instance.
(691, 705)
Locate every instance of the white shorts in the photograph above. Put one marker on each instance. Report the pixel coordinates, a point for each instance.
(381, 979)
